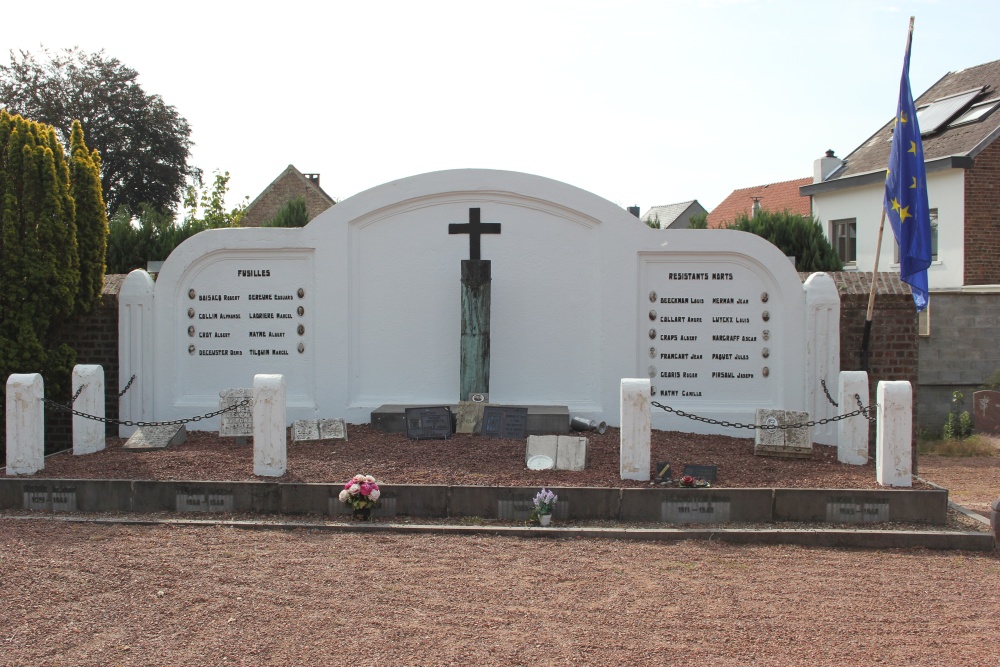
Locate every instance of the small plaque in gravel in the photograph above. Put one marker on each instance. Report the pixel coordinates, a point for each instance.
(504, 422)
(156, 437)
(305, 430)
(332, 429)
(707, 473)
(428, 423)
(237, 423)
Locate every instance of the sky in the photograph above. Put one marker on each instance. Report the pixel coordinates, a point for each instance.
(643, 103)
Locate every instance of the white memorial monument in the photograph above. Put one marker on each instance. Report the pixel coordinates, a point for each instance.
(363, 307)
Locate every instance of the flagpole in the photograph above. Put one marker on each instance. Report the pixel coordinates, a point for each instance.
(871, 294)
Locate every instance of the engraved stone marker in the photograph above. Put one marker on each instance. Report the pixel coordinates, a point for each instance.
(470, 417)
(504, 422)
(236, 423)
(332, 429)
(986, 411)
(852, 509)
(707, 473)
(156, 437)
(696, 509)
(304, 430)
(428, 423)
(783, 442)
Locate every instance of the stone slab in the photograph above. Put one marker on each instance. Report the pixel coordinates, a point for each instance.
(469, 417)
(430, 423)
(309, 430)
(542, 445)
(571, 452)
(148, 438)
(986, 411)
(782, 442)
(332, 429)
(542, 419)
(504, 421)
(237, 423)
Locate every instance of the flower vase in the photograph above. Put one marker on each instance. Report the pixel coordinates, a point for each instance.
(363, 514)
(544, 519)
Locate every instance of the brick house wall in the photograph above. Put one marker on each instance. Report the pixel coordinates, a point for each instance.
(288, 186)
(982, 218)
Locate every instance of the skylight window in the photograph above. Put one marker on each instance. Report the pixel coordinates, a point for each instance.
(975, 113)
(934, 116)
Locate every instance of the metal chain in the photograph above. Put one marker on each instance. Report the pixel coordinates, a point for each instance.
(867, 411)
(827, 392)
(175, 422)
(77, 394)
(680, 413)
(130, 381)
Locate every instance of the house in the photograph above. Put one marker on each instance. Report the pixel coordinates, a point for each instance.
(772, 197)
(291, 183)
(960, 330)
(674, 216)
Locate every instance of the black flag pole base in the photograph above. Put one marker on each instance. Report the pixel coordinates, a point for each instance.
(864, 345)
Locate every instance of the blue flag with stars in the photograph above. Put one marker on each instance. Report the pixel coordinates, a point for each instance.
(906, 192)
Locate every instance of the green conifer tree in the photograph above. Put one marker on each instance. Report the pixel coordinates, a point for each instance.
(91, 219)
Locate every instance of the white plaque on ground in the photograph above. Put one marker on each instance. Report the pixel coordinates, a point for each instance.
(305, 430)
(156, 437)
(237, 423)
(781, 441)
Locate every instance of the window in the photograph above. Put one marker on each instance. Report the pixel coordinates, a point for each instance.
(845, 239)
(975, 113)
(934, 239)
(932, 117)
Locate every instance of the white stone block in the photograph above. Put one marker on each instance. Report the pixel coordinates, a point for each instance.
(571, 452)
(270, 456)
(25, 424)
(822, 360)
(136, 338)
(852, 433)
(636, 428)
(894, 434)
(542, 446)
(88, 434)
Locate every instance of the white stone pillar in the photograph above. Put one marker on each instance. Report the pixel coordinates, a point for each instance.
(636, 428)
(25, 424)
(88, 434)
(269, 436)
(894, 434)
(822, 361)
(852, 433)
(135, 350)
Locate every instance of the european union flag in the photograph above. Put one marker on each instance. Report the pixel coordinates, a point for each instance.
(906, 192)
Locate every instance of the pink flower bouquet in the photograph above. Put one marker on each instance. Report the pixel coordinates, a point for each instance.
(361, 492)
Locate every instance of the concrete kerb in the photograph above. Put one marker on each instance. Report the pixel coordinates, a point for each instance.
(830, 538)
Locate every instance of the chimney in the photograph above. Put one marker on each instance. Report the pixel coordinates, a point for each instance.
(314, 178)
(824, 167)
(756, 207)
(634, 210)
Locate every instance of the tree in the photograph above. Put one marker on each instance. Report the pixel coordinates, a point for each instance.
(91, 219)
(698, 221)
(796, 235)
(40, 265)
(292, 214)
(143, 142)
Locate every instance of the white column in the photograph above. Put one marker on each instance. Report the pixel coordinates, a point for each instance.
(636, 428)
(269, 436)
(88, 434)
(852, 433)
(25, 424)
(822, 362)
(135, 350)
(894, 434)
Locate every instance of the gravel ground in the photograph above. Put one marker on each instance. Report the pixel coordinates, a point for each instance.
(88, 594)
(84, 594)
(972, 481)
(461, 460)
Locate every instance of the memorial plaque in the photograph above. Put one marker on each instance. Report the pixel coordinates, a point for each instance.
(504, 422)
(332, 429)
(470, 417)
(305, 429)
(663, 472)
(852, 509)
(36, 498)
(236, 423)
(701, 509)
(148, 438)
(986, 411)
(64, 499)
(428, 423)
(782, 442)
(191, 499)
(219, 500)
(707, 473)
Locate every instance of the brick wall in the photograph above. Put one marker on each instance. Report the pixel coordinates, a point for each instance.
(893, 345)
(982, 218)
(287, 187)
(95, 340)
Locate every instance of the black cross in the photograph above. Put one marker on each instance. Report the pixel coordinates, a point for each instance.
(474, 229)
